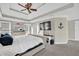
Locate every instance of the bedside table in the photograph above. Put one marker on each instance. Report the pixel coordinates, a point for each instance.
(48, 40)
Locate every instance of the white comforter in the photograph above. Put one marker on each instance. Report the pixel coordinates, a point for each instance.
(19, 45)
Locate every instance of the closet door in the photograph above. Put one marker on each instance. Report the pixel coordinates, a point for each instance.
(61, 30)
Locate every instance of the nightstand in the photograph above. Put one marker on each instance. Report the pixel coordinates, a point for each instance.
(48, 40)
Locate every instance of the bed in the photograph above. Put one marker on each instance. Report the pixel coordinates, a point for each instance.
(23, 45)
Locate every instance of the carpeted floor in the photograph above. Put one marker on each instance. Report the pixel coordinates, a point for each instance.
(70, 49)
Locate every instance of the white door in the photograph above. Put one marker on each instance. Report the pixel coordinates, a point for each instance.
(76, 30)
(61, 30)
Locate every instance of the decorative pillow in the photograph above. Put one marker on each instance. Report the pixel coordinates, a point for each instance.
(6, 34)
(2, 35)
(6, 40)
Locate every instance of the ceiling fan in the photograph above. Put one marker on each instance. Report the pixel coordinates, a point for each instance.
(28, 7)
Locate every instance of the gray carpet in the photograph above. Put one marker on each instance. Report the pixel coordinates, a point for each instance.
(70, 49)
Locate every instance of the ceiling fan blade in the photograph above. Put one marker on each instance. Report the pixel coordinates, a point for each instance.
(23, 9)
(33, 9)
(21, 5)
(29, 11)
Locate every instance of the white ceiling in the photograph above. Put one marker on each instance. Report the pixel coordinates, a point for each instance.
(19, 8)
(14, 10)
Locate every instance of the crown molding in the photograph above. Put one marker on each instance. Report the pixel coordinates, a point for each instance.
(70, 5)
(17, 11)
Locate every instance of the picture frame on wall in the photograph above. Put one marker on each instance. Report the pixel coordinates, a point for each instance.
(48, 25)
(45, 25)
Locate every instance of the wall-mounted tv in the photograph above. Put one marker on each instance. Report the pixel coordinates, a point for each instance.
(45, 25)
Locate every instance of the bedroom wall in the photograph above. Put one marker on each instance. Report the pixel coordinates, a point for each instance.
(5, 27)
(17, 25)
(61, 37)
(61, 32)
(36, 28)
(72, 13)
(0, 13)
(11, 20)
(71, 28)
(0, 22)
(77, 30)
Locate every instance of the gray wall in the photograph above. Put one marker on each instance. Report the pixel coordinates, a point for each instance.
(36, 29)
(15, 26)
(77, 30)
(5, 27)
(72, 14)
(61, 34)
(71, 30)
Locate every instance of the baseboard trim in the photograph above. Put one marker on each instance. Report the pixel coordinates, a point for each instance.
(76, 40)
(71, 39)
(61, 42)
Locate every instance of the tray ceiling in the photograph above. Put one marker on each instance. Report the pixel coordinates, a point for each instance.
(14, 10)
